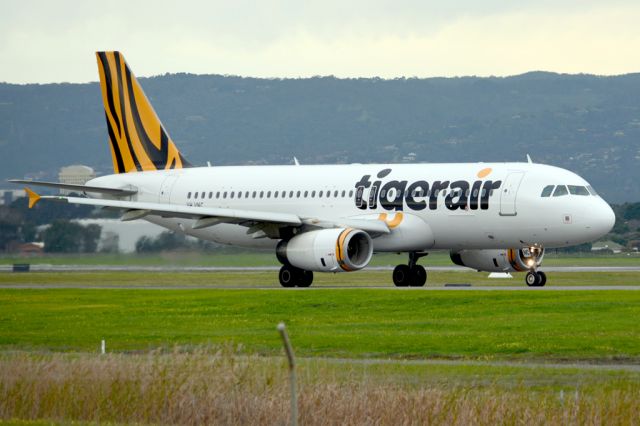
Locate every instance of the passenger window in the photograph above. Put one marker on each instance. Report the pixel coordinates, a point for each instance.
(351, 193)
(560, 191)
(290, 194)
(335, 194)
(203, 195)
(306, 194)
(224, 195)
(254, 194)
(546, 192)
(320, 194)
(344, 193)
(239, 194)
(298, 194)
(269, 194)
(246, 194)
(210, 195)
(195, 195)
(275, 195)
(188, 194)
(231, 194)
(261, 194)
(313, 194)
(578, 190)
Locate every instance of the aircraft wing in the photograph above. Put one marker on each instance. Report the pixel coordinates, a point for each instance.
(209, 216)
(79, 188)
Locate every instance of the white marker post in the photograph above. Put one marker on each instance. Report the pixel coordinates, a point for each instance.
(292, 372)
(103, 347)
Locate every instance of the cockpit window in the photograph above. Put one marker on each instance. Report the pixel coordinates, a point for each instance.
(591, 190)
(546, 192)
(560, 191)
(578, 190)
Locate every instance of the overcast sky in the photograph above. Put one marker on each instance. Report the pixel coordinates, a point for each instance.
(54, 41)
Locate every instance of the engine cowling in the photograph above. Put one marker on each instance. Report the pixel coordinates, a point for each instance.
(327, 250)
(509, 260)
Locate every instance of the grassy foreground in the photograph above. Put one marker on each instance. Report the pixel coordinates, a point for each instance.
(531, 325)
(221, 386)
(193, 352)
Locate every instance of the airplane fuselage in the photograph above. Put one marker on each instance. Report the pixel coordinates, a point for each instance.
(427, 206)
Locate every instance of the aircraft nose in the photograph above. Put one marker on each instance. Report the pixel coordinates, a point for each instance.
(603, 218)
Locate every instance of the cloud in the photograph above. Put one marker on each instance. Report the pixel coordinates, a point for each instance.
(55, 41)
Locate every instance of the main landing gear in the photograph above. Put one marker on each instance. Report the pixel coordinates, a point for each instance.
(290, 276)
(535, 279)
(411, 275)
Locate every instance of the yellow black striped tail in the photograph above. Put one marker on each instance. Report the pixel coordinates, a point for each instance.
(139, 142)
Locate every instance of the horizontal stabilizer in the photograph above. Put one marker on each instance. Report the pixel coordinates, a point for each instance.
(33, 197)
(119, 192)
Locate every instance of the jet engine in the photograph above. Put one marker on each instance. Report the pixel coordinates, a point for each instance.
(509, 260)
(327, 250)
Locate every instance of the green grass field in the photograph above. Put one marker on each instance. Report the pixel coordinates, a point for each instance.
(402, 323)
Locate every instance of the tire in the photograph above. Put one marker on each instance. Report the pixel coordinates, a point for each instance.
(402, 276)
(542, 279)
(532, 279)
(288, 276)
(418, 276)
(306, 278)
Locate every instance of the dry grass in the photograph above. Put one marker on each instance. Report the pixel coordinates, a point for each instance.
(226, 387)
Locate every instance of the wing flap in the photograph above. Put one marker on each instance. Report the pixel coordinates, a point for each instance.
(368, 225)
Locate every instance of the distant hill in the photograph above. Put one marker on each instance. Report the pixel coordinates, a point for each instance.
(588, 124)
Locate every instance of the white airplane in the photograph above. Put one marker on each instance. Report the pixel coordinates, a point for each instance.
(496, 217)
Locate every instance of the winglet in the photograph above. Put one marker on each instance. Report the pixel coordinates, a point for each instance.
(33, 197)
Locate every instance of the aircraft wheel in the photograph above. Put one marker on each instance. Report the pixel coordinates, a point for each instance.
(288, 276)
(419, 276)
(402, 275)
(532, 279)
(306, 278)
(542, 278)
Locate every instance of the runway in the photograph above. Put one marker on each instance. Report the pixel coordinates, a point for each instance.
(135, 268)
(276, 287)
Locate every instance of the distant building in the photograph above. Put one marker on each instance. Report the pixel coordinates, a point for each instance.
(8, 196)
(75, 175)
(607, 246)
(118, 236)
(409, 158)
(31, 249)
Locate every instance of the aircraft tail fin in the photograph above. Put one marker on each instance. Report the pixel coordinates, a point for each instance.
(139, 141)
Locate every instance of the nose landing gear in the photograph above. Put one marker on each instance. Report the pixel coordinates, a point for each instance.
(535, 279)
(411, 275)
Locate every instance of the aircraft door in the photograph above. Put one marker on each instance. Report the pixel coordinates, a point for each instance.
(508, 193)
(166, 188)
